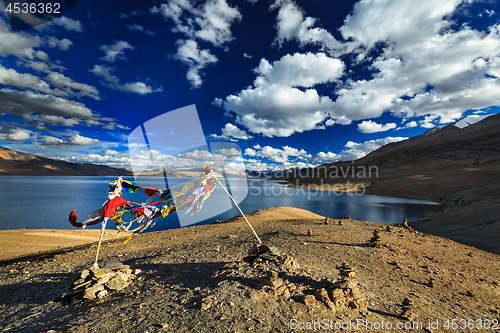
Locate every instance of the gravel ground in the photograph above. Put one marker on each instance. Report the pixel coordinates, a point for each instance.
(195, 280)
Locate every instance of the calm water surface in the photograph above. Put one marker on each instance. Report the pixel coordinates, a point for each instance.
(45, 202)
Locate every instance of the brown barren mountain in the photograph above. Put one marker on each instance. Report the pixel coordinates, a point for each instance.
(14, 162)
(459, 167)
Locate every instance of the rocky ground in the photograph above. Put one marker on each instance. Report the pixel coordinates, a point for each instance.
(195, 279)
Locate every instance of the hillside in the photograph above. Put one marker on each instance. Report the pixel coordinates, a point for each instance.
(195, 279)
(459, 167)
(18, 163)
(430, 166)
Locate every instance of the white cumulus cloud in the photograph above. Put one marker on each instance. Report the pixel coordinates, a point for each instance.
(275, 106)
(372, 127)
(208, 22)
(115, 83)
(115, 51)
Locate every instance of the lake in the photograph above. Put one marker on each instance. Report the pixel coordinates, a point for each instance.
(45, 202)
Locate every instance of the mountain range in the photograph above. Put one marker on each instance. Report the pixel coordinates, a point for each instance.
(14, 162)
(458, 166)
(430, 166)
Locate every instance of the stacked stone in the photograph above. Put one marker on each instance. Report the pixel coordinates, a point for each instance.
(327, 220)
(389, 228)
(99, 282)
(375, 240)
(405, 225)
(322, 295)
(407, 310)
(345, 292)
(279, 287)
(347, 276)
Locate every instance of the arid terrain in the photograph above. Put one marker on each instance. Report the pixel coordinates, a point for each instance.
(458, 167)
(194, 279)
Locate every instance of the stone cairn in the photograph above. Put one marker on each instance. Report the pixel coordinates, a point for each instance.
(405, 225)
(345, 291)
(407, 310)
(347, 276)
(279, 275)
(99, 282)
(388, 228)
(375, 240)
(327, 221)
(309, 232)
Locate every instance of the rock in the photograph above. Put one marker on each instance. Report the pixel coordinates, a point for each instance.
(90, 293)
(362, 305)
(275, 283)
(85, 273)
(287, 261)
(113, 264)
(103, 280)
(347, 276)
(309, 300)
(101, 272)
(118, 282)
(309, 232)
(322, 295)
(375, 240)
(286, 294)
(102, 293)
(280, 290)
(356, 293)
(206, 303)
(78, 282)
(292, 287)
(407, 310)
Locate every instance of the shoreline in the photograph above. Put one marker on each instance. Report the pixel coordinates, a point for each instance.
(20, 244)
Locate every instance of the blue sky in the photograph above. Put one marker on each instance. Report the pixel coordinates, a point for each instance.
(293, 83)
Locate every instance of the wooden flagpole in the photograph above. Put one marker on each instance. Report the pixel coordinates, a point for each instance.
(240, 211)
(100, 240)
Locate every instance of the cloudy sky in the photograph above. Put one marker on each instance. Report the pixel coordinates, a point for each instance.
(293, 83)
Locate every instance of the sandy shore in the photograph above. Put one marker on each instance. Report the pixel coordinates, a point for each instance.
(481, 230)
(20, 243)
(25, 242)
